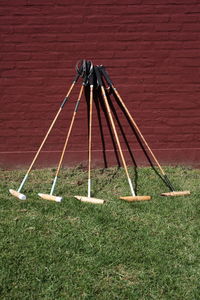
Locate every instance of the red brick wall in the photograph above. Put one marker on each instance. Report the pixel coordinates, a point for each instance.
(151, 49)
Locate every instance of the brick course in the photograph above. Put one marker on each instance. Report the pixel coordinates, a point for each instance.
(151, 49)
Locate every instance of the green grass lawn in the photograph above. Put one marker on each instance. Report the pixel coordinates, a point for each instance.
(119, 250)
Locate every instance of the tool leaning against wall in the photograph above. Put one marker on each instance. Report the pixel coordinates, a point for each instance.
(95, 77)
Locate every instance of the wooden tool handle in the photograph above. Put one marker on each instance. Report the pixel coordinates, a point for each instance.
(90, 137)
(49, 130)
(69, 132)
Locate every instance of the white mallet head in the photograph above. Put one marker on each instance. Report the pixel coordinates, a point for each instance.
(50, 197)
(17, 194)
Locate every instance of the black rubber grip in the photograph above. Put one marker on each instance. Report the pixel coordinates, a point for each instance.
(76, 78)
(99, 80)
(168, 183)
(64, 101)
(106, 76)
(91, 78)
(77, 105)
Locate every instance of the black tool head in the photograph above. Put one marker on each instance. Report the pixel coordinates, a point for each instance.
(84, 68)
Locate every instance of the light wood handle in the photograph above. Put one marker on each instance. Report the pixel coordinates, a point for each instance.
(69, 133)
(114, 131)
(90, 134)
(48, 132)
(138, 130)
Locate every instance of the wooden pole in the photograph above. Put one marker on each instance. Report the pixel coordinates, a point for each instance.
(46, 136)
(90, 142)
(69, 131)
(117, 139)
(138, 130)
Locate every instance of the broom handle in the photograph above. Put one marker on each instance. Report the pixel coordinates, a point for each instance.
(69, 131)
(138, 130)
(117, 140)
(90, 143)
(48, 132)
(105, 74)
(165, 178)
(66, 141)
(51, 126)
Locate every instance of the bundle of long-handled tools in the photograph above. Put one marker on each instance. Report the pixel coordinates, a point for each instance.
(96, 77)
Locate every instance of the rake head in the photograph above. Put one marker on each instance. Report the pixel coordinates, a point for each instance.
(17, 194)
(136, 198)
(90, 200)
(174, 193)
(50, 197)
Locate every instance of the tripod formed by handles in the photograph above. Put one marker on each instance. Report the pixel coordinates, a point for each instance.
(95, 77)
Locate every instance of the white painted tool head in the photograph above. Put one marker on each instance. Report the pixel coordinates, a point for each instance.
(50, 197)
(17, 194)
(90, 200)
